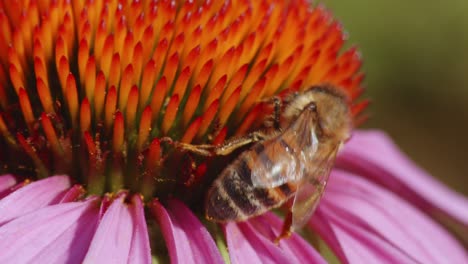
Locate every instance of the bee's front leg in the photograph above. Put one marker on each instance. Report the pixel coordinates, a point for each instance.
(232, 144)
(277, 105)
(222, 150)
(203, 150)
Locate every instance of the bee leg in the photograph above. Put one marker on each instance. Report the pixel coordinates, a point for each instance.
(202, 150)
(230, 145)
(222, 150)
(277, 114)
(286, 231)
(275, 119)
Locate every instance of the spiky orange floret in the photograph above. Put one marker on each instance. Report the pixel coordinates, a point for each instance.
(92, 84)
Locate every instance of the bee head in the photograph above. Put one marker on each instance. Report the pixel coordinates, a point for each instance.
(333, 115)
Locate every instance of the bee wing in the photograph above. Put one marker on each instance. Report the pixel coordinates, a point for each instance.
(275, 167)
(282, 159)
(311, 188)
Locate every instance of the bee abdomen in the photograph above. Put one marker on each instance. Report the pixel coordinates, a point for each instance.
(234, 198)
(219, 206)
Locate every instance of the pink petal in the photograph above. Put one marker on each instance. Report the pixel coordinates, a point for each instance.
(322, 226)
(105, 203)
(186, 238)
(246, 245)
(295, 248)
(32, 197)
(140, 251)
(73, 194)
(363, 209)
(14, 188)
(119, 232)
(373, 155)
(359, 245)
(54, 234)
(6, 182)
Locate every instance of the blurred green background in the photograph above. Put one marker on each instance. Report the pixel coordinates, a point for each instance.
(416, 62)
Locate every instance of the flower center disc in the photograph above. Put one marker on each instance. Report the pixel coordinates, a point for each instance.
(101, 90)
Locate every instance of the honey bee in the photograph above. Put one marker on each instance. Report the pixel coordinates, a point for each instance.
(288, 166)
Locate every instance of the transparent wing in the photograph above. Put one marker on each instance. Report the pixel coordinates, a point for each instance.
(311, 188)
(274, 167)
(282, 159)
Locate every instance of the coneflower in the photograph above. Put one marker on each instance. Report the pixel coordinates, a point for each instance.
(95, 94)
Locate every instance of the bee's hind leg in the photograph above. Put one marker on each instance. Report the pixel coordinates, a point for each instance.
(286, 231)
(222, 150)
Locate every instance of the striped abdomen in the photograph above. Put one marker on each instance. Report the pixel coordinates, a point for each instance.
(233, 196)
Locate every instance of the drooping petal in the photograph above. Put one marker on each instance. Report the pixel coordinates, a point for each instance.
(186, 238)
(372, 154)
(246, 245)
(6, 182)
(324, 228)
(355, 243)
(55, 234)
(140, 251)
(295, 248)
(32, 197)
(120, 231)
(366, 212)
